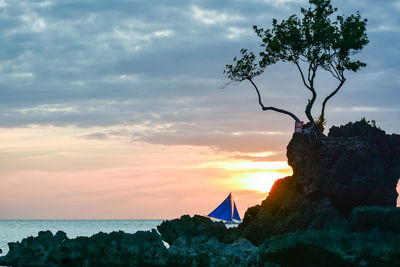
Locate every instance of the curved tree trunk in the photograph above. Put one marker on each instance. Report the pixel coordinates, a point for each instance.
(310, 105)
(329, 96)
(309, 86)
(272, 108)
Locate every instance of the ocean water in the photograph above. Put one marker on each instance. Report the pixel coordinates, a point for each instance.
(16, 230)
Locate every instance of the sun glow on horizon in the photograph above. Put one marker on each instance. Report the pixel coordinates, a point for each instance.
(240, 165)
(256, 176)
(258, 181)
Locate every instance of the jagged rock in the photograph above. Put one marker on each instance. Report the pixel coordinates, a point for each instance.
(305, 255)
(368, 217)
(333, 248)
(113, 249)
(189, 227)
(295, 214)
(356, 164)
(201, 251)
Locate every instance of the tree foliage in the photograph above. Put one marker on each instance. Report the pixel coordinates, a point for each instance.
(315, 41)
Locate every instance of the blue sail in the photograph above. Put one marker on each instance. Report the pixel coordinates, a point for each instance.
(223, 211)
(235, 212)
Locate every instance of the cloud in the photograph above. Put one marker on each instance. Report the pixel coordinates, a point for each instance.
(47, 109)
(98, 63)
(33, 22)
(397, 4)
(212, 16)
(368, 109)
(284, 2)
(235, 32)
(95, 136)
(385, 28)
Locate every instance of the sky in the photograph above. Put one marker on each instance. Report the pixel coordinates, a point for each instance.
(117, 109)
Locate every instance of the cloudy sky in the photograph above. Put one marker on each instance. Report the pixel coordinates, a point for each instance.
(115, 109)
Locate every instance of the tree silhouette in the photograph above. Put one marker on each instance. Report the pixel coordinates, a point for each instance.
(312, 43)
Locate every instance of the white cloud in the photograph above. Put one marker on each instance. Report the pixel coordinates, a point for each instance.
(47, 109)
(385, 28)
(164, 33)
(3, 3)
(46, 4)
(366, 109)
(236, 33)
(283, 2)
(213, 16)
(23, 75)
(397, 4)
(134, 37)
(261, 133)
(33, 22)
(256, 155)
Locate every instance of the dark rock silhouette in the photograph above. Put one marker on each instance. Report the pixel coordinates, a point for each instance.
(188, 227)
(113, 249)
(203, 251)
(355, 165)
(333, 247)
(366, 218)
(139, 249)
(341, 198)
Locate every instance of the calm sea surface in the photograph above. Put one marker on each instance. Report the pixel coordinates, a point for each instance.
(16, 230)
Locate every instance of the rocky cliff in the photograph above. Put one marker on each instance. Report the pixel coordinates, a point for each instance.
(355, 165)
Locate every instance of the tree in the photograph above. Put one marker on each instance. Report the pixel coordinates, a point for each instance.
(312, 43)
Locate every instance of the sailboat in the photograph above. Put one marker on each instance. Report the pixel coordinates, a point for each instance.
(226, 211)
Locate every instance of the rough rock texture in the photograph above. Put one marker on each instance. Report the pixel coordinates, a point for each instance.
(113, 249)
(195, 245)
(189, 227)
(365, 218)
(356, 165)
(202, 251)
(333, 248)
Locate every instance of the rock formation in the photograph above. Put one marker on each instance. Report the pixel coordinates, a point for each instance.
(187, 228)
(356, 165)
(139, 249)
(341, 198)
(114, 249)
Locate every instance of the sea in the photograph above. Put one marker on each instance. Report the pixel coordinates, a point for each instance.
(16, 230)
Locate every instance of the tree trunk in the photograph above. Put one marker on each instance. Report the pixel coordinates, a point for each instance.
(271, 108)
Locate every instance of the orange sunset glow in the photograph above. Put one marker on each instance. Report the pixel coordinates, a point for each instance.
(122, 109)
(62, 175)
(255, 176)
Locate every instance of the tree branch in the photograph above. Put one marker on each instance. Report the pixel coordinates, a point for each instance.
(302, 75)
(335, 73)
(271, 108)
(330, 95)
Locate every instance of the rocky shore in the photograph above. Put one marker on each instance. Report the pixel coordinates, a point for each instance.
(337, 209)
